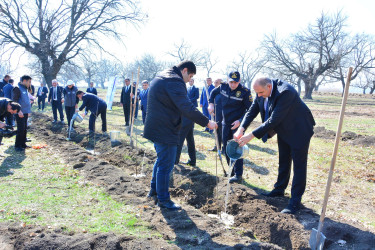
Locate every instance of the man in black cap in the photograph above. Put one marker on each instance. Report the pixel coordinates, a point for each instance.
(236, 99)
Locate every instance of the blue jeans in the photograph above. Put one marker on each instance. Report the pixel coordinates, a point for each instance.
(166, 156)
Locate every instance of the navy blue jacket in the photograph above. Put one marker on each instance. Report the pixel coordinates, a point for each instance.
(92, 91)
(193, 94)
(167, 102)
(44, 90)
(234, 103)
(4, 109)
(59, 94)
(93, 103)
(289, 116)
(143, 97)
(2, 85)
(8, 91)
(218, 108)
(125, 95)
(204, 99)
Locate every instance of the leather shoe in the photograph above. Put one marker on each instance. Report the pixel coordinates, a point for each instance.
(291, 209)
(169, 205)
(275, 193)
(189, 162)
(235, 178)
(214, 149)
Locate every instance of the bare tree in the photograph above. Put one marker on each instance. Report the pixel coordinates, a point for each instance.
(57, 32)
(105, 69)
(184, 51)
(208, 61)
(366, 80)
(249, 65)
(310, 53)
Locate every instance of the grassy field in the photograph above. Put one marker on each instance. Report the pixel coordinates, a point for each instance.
(39, 188)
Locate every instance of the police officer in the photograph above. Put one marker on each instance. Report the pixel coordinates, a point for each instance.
(143, 97)
(236, 100)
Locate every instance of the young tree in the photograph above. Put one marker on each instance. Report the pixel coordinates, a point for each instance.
(184, 51)
(57, 32)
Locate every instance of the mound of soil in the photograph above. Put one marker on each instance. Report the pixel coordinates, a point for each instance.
(258, 224)
(350, 137)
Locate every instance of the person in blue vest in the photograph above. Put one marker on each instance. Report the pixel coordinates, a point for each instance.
(91, 89)
(204, 100)
(42, 95)
(4, 82)
(55, 97)
(70, 101)
(187, 129)
(285, 114)
(236, 99)
(218, 111)
(126, 95)
(143, 97)
(21, 95)
(96, 106)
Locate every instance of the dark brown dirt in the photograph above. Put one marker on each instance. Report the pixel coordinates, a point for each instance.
(257, 219)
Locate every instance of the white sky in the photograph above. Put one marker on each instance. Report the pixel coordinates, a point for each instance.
(229, 27)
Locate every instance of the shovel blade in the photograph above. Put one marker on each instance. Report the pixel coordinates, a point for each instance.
(314, 243)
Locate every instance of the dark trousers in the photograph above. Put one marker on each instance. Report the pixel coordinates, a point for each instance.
(166, 156)
(144, 113)
(126, 109)
(287, 154)
(57, 105)
(206, 114)
(41, 102)
(187, 132)
(228, 135)
(103, 115)
(219, 134)
(136, 111)
(69, 113)
(21, 131)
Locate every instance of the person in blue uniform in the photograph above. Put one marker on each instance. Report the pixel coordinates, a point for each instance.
(42, 95)
(187, 129)
(55, 97)
(96, 106)
(91, 89)
(284, 113)
(143, 97)
(126, 94)
(167, 102)
(218, 111)
(204, 100)
(236, 100)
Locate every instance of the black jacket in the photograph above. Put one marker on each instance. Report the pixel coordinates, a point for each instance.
(93, 91)
(167, 102)
(289, 116)
(4, 109)
(125, 95)
(59, 94)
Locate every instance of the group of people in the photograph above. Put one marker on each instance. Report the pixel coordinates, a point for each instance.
(229, 108)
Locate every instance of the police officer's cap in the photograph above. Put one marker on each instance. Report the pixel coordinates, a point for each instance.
(234, 76)
(144, 81)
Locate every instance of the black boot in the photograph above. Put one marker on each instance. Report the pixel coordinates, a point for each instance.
(235, 178)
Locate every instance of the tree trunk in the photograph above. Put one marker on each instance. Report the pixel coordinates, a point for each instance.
(372, 90)
(299, 86)
(102, 83)
(48, 78)
(309, 88)
(364, 91)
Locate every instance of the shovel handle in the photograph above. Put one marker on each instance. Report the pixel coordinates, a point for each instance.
(334, 154)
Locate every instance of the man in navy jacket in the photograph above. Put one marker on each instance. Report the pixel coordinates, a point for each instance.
(96, 106)
(283, 112)
(55, 97)
(42, 95)
(143, 97)
(91, 89)
(205, 100)
(167, 102)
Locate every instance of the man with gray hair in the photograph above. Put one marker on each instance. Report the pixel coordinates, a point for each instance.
(55, 98)
(285, 114)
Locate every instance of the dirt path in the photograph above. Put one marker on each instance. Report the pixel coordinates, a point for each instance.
(257, 221)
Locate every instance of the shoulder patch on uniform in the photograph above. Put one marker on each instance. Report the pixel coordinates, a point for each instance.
(250, 98)
(238, 93)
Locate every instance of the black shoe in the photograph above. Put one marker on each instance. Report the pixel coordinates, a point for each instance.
(275, 193)
(235, 178)
(54, 121)
(19, 149)
(214, 149)
(291, 208)
(190, 163)
(28, 140)
(169, 205)
(62, 122)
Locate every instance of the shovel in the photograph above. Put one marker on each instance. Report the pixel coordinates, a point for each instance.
(317, 238)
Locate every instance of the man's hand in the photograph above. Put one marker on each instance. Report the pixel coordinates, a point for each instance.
(20, 114)
(131, 95)
(245, 139)
(2, 125)
(49, 102)
(212, 125)
(235, 124)
(211, 108)
(62, 100)
(122, 104)
(83, 115)
(239, 133)
(200, 105)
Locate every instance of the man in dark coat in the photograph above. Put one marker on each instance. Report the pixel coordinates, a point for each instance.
(167, 102)
(4, 82)
(8, 108)
(8, 89)
(127, 93)
(42, 95)
(283, 112)
(91, 89)
(143, 97)
(55, 97)
(204, 101)
(218, 115)
(96, 106)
